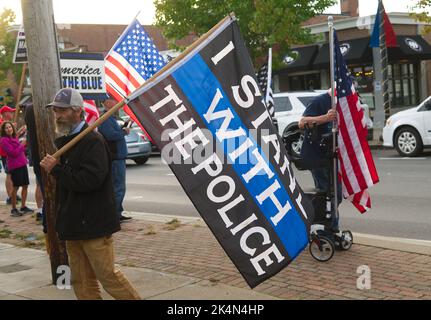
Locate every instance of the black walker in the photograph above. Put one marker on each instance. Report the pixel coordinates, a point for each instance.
(323, 238)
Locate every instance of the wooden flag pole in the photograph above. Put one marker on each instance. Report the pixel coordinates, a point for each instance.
(125, 101)
(21, 85)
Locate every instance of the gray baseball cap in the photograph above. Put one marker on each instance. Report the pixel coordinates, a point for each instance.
(66, 98)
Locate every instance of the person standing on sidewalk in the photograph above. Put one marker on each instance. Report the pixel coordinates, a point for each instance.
(7, 114)
(17, 166)
(114, 136)
(86, 217)
(34, 157)
(319, 113)
(35, 160)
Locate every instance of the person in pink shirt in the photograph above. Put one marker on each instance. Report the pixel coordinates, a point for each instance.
(7, 114)
(17, 166)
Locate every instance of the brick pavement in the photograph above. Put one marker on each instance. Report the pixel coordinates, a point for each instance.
(192, 250)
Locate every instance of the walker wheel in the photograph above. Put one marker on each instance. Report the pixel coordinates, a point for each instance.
(321, 248)
(346, 240)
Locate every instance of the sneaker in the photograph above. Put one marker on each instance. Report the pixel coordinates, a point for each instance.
(124, 218)
(39, 216)
(15, 213)
(9, 200)
(26, 210)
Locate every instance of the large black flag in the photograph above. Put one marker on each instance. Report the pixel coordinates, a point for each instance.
(205, 113)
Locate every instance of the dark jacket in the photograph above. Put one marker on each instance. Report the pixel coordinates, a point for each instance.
(85, 196)
(114, 135)
(32, 138)
(311, 149)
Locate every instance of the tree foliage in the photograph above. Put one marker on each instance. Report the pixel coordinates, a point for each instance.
(422, 10)
(7, 47)
(263, 23)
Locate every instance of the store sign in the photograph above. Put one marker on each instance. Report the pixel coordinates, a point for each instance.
(345, 48)
(412, 44)
(20, 54)
(289, 59)
(83, 72)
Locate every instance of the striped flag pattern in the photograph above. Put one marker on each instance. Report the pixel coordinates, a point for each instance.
(264, 77)
(91, 111)
(131, 61)
(356, 165)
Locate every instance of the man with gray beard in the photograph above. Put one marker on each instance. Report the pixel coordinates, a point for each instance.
(86, 215)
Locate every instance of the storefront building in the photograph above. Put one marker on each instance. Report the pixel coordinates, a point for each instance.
(409, 69)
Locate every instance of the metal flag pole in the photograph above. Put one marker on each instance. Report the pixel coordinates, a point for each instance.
(268, 83)
(333, 106)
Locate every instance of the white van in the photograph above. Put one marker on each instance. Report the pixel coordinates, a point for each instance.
(409, 131)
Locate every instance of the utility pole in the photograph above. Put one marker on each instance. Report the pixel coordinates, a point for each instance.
(44, 67)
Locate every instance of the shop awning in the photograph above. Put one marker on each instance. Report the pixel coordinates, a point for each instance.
(354, 51)
(300, 59)
(410, 48)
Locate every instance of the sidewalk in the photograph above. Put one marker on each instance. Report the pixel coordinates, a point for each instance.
(180, 259)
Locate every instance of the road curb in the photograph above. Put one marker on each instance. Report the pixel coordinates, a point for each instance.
(399, 244)
(392, 243)
(164, 218)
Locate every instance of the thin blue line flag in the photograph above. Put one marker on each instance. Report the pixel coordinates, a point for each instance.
(205, 112)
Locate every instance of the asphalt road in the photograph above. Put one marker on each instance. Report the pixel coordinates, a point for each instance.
(400, 201)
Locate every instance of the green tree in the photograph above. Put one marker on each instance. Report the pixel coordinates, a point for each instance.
(422, 13)
(7, 47)
(263, 23)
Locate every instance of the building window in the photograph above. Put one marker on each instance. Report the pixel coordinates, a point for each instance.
(310, 81)
(403, 84)
(363, 77)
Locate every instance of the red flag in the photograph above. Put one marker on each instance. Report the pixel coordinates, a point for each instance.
(391, 39)
(387, 31)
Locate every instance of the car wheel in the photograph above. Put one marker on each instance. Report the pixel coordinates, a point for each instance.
(295, 146)
(408, 143)
(141, 160)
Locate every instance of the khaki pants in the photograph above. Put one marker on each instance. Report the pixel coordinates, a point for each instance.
(92, 260)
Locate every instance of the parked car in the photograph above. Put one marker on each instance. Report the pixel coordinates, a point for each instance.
(138, 145)
(409, 131)
(289, 107)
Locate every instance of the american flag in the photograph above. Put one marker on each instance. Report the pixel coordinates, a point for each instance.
(91, 111)
(356, 164)
(132, 60)
(264, 80)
